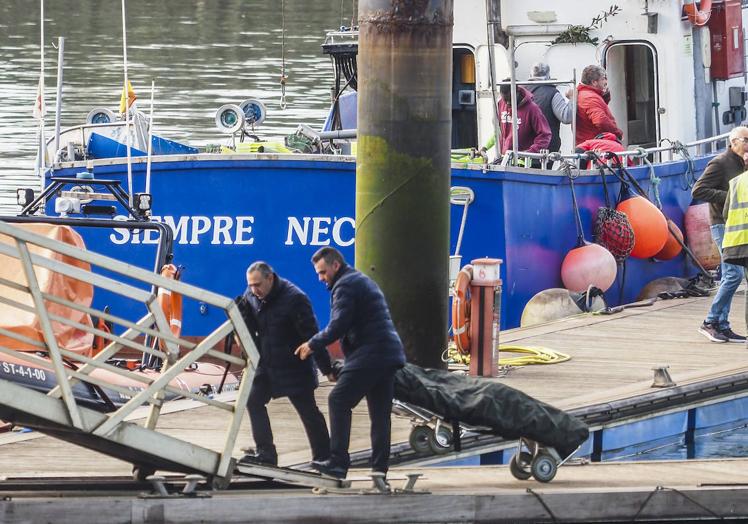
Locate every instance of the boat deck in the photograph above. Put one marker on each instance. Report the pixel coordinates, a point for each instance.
(612, 357)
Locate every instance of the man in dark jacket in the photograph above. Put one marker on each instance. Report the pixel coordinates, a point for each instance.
(712, 187)
(373, 351)
(555, 107)
(284, 319)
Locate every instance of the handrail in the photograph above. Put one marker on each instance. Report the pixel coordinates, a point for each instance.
(637, 153)
(98, 369)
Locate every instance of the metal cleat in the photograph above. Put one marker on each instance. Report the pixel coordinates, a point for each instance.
(159, 488)
(192, 482)
(410, 482)
(379, 480)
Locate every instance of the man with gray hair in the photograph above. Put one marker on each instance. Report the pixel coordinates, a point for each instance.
(712, 187)
(284, 319)
(593, 114)
(555, 107)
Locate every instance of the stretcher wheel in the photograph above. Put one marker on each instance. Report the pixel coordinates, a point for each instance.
(440, 441)
(519, 466)
(543, 467)
(420, 437)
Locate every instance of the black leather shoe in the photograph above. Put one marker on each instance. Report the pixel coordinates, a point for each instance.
(256, 458)
(330, 469)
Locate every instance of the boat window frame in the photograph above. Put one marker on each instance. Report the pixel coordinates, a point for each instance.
(472, 49)
(656, 73)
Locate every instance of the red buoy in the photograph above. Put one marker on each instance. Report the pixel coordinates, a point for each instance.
(699, 236)
(649, 225)
(588, 265)
(672, 247)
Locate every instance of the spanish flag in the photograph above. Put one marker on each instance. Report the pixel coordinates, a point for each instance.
(130, 97)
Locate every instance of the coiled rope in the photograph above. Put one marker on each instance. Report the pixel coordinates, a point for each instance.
(528, 355)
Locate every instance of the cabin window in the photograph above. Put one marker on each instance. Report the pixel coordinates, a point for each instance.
(632, 80)
(464, 112)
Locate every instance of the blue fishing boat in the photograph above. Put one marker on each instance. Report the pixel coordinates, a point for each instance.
(281, 200)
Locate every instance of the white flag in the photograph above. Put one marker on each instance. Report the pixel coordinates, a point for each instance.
(40, 108)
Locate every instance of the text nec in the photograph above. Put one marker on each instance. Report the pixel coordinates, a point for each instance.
(226, 230)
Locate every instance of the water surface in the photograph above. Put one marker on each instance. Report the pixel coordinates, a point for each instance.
(201, 54)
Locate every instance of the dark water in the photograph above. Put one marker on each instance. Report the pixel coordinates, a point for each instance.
(201, 54)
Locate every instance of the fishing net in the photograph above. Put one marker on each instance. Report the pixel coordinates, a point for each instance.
(613, 231)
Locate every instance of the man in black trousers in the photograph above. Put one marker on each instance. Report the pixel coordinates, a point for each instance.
(283, 318)
(373, 351)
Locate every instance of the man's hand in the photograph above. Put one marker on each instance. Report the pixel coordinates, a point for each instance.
(303, 351)
(745, 158)
(331, 377)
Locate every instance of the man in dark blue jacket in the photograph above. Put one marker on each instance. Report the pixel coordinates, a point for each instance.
(284, 319)
(373, 351)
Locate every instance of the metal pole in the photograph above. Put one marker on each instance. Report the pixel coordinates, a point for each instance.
(493, 23)
(127, 108)
(574, 112)
(41, 161)
(58, 103)
(402, 179)
(150, 140)
(513, 80)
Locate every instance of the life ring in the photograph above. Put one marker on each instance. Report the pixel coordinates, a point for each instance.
(171, 303)
(698, 16)
(461, 310)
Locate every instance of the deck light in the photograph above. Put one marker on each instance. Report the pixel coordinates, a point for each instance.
(24, 196)
(143, 201)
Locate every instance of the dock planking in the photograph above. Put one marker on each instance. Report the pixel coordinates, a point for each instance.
(612, 357)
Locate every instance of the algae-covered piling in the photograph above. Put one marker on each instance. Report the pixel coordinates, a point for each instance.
(402, 179)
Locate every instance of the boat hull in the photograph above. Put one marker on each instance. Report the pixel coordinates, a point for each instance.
(228, 211)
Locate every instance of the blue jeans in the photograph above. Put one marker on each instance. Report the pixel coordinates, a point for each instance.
(732, 275)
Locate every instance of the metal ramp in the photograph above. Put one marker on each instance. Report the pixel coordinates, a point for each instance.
(85, 398)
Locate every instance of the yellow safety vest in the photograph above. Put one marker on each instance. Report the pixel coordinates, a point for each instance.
(736, 227)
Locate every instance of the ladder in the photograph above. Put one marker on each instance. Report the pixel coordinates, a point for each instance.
(84, 397)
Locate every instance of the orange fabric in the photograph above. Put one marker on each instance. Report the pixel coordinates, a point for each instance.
(27, 323)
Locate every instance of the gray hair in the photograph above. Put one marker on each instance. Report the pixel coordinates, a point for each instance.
(540, 71)
(592, 73)
(262, 267)
(735, 132)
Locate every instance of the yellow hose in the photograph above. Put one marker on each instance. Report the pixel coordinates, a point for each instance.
(530, 355)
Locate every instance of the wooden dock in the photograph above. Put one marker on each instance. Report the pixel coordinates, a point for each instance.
(612, 358)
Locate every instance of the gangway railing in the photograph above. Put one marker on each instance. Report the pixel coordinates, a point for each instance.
(61, 410)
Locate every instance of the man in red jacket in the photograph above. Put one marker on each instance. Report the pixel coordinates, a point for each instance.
(593, 114)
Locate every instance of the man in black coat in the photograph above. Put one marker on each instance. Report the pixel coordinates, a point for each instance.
(284, 318)
(712, 187)
(373, 351)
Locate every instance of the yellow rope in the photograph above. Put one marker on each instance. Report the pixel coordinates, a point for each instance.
(529, 355)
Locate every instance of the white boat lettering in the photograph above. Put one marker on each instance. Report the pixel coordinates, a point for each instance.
(192, 230)
(323, 230)
(24, 371)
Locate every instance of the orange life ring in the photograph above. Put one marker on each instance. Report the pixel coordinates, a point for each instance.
(461, 310)
(698, 16)
(171, 303)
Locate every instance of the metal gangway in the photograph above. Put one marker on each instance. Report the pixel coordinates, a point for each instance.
(56, 406)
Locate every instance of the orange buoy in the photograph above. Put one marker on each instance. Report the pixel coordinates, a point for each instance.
(588, 265)
(699, 236)
(649, 225)
(461, 310)
(672, 246)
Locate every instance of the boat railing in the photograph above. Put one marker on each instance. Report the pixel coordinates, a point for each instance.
(120, 392)
(667, 151)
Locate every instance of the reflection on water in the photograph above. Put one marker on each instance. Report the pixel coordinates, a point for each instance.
(200, 53)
